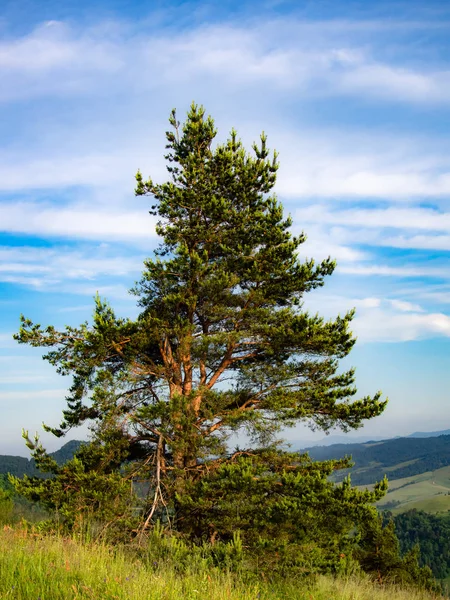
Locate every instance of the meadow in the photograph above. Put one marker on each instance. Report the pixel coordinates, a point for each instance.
(35, 567)
(428, 491)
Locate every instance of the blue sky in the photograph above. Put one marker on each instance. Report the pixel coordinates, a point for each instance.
(355, 96)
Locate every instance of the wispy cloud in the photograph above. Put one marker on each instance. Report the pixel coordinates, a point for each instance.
(391, 217)
(42, 268)
(292, 54)
(319, 245)
(356, 107)
(394, 271)
(386, 326)
(287, 57)
(409, 227)
(6, 341)
(318, 164)
(54, 59)
(396, 83)
(97, 223)
(440, 295)
(386, 319)
(115, 68)
(405, 306)
(352, 164)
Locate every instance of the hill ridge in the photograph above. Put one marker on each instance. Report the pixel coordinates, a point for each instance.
(397, 457)
(20, 465)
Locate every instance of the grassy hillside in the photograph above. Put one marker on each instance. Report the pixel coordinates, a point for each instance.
(418, 470)
(398, 458)
(428, 491)
(61, 569)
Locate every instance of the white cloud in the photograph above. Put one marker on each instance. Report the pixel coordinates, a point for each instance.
(425, 242)
(55, 59)
(390, 271)
(319, 245)
(53, 45)
(57, 171)
(376, 226)
(86, 61)
(386, 326)
(77, 308)
(270, 51)
(105, 60)
(391, 217)
(440, 295)
(85, 271)
(372, 236)
(398, 84)
(404, 306)
(6, 341)
(116, 291)
(320, 164)
(366, 302)
(97, 223)
(44, 269)
(353, 165)
(384, 319)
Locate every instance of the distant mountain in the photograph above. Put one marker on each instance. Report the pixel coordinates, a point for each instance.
(19, 466)
(66, 452)
(373, 458)
(427, 434)
(396, 458)
(331, 440)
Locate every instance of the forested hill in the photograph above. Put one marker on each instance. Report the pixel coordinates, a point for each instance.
(396, 458)
(18, 465)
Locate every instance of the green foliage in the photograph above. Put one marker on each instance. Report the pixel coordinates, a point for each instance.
(165, 547)
(15, 508)
(6, 506)
(5, 484)
(290, 516)
(431, 533)
(379, 554)
(222, 346)
(62, 569)
(87, 494)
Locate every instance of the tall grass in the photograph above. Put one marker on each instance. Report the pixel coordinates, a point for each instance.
(34, 567)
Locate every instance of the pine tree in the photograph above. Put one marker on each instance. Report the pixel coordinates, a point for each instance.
(379, 554)
(222, 346)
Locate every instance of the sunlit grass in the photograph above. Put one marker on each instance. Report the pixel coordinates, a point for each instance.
(50, 568)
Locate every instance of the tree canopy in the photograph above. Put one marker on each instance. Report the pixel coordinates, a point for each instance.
(430, 532)
(222, 346)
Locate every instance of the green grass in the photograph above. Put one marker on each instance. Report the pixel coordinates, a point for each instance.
(434, 505)
(428, 492)
(407, 463)
(397, 483)
(49, 568)
(442, 476)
